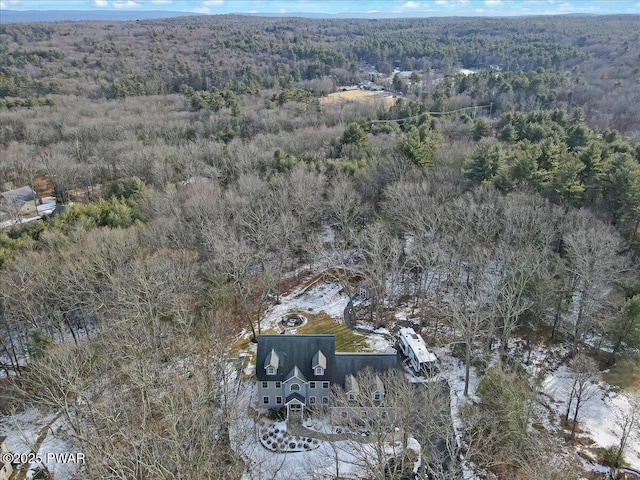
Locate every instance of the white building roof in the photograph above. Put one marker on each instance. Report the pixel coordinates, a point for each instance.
(416, 343)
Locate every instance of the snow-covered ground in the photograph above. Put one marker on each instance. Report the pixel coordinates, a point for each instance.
(22, 430)
(319, 297)
(318, 463)
(344, 458)
(453, 371)
(597, 419)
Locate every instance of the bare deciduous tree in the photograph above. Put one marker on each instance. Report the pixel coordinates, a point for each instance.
(584, 372)
(594, 261)
(381, 254)
(628, 419)
(470, 324)
(367, 408)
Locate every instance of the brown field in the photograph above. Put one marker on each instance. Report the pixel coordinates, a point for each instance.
(359, 96)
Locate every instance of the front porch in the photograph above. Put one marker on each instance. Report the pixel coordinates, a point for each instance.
(295, 404)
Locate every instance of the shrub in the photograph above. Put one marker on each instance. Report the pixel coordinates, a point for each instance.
(611, 459)
(276, 413)
(103, 213)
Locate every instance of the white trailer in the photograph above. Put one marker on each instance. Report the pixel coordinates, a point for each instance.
(420, 359)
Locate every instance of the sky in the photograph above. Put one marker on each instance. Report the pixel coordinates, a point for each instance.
(409, 8)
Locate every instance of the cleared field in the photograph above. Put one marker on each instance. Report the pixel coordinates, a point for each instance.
(346, 340)
(383, 98)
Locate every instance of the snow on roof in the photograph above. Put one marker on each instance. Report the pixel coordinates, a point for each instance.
(416, 343)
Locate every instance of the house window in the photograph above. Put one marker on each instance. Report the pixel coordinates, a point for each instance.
(325, 384)
(312, 400)
(279, 400)
(271, 371)
(312, 385)
(265, 384)
(295, 387)
(265, 400)
(376, 396)
(325, 400)
(278, 384)
(319, 371)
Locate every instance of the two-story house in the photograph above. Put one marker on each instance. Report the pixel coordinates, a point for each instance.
(297, 371)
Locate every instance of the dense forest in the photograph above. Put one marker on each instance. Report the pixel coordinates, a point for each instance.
(200, 160)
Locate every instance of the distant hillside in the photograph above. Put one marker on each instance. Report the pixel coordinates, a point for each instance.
(26, 16)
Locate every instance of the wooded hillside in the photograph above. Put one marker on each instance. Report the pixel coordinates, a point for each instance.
(200, 166)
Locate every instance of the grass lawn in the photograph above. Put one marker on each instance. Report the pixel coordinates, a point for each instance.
(346, 340)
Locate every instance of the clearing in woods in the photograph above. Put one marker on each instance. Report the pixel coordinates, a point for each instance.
(385, 98)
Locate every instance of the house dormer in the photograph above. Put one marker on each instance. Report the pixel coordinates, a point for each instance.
(319, 364)
(378, 389)
(271, 363)
(351, 387)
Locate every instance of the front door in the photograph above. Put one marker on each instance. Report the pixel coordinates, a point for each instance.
(295, 410)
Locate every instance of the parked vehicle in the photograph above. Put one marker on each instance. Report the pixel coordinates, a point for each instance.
(419, 358)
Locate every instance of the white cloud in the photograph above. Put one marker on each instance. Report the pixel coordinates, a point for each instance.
(202, 10)
(450, 3)
(492, 3)
(372, 11)
(161, 2)
(125, 4)
(212, 3)
(411, 5)
(565, 7)
(2, 4)
(253, 11)
(282, 10)
(100, 3)
(479, 10)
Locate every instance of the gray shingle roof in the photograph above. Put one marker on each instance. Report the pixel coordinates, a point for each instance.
(295, 396)
(301, 351)
(292, 351)
(352, 363)
(18, 197)
(295, 373)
